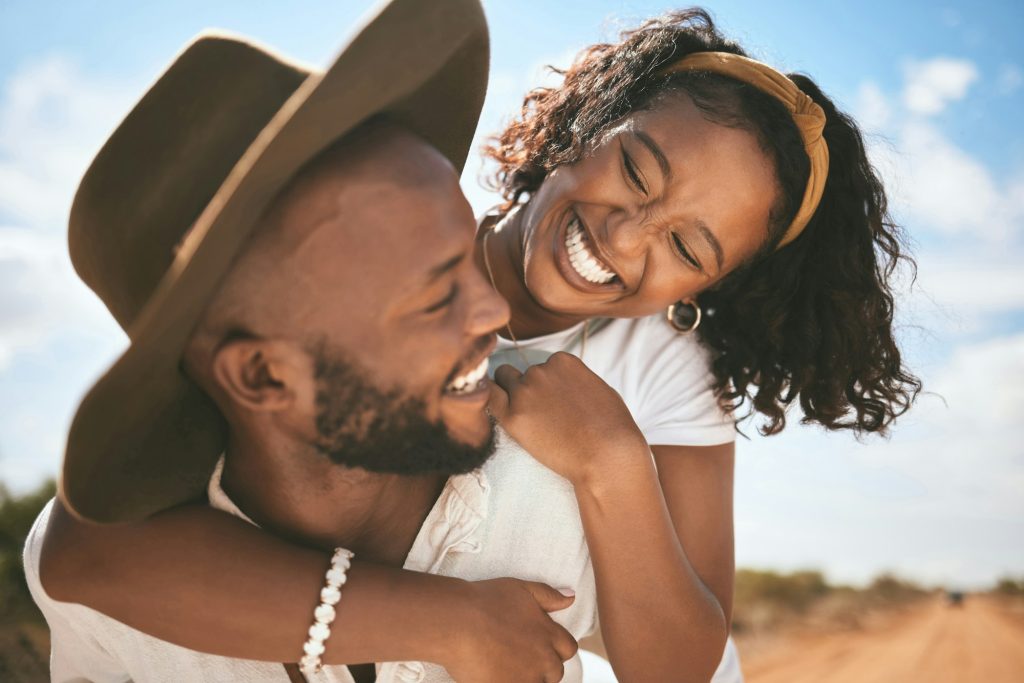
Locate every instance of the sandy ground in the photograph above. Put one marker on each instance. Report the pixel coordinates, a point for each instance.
(980, 642)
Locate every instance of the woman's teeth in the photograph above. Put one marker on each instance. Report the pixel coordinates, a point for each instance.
(583, 261)
(469, 382)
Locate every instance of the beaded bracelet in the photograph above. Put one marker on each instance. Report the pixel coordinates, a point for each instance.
(323, 615)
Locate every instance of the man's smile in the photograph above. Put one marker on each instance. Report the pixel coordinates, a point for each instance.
(469, 380)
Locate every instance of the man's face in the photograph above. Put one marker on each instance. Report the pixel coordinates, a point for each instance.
(373, 275)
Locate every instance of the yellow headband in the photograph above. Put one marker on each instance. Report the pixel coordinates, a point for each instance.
(808, 115)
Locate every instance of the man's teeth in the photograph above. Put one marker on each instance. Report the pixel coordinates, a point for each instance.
(582, 259)
(464, 384)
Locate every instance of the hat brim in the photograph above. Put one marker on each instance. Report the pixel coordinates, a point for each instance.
(145, 438)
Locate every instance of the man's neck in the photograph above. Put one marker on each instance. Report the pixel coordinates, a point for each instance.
(300, 494)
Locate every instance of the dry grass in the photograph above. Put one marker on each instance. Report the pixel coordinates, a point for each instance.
(772, 608)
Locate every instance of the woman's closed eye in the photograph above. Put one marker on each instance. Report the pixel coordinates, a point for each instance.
(633, 173)
(685, 253)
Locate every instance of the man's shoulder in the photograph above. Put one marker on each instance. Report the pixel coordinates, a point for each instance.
(537, 494)
(76, 650)
(70, 612)
(35, 544)
(89, 645)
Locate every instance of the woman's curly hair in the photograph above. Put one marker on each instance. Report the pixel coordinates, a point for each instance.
(812, 322)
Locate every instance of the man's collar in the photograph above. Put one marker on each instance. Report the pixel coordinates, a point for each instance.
(468, 495)
(219, 498)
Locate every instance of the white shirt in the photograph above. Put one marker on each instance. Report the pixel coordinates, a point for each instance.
(512, 517)
(537, 536)
(662, 376)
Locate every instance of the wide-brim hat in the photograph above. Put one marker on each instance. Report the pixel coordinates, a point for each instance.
(202, 154)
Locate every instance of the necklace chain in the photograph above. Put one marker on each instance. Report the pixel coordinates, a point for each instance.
(508, 325)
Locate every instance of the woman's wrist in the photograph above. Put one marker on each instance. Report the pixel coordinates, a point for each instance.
(618, 466)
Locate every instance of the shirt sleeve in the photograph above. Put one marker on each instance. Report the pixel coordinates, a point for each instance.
(75, 654)
(676, 400)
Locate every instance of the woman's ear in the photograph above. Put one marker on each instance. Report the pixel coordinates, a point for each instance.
(260, 375)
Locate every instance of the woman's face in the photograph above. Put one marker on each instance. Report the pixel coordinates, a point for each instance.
(664, 205)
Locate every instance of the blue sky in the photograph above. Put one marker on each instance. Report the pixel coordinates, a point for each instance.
(939, 87)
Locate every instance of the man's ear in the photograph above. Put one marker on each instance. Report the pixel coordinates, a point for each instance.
(260, 375)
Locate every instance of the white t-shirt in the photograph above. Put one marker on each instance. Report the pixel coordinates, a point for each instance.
(663, 376)
(664, 379)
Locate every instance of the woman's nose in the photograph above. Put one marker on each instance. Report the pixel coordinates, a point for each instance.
(625, 234)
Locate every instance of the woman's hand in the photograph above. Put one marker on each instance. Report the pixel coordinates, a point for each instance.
(567, 417)
(503, 633)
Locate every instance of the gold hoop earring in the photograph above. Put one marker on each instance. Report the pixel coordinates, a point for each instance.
(684, 316)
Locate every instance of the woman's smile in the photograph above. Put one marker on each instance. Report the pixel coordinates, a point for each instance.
(579, 259)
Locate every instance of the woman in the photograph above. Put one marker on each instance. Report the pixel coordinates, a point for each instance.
(650, 184)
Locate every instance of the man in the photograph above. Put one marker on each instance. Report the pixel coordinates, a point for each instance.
(299, 291)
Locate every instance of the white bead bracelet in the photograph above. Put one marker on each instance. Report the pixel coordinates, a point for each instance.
(324, 614)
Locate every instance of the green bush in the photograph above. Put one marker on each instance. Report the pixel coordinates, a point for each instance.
(795, 591)
(767, 600)
(17, 513)
(889, 588)
(1009, 586)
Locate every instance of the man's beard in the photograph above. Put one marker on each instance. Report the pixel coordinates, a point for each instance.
(385, 431)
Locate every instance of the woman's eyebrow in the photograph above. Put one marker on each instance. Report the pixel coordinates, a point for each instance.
(655, 150)
(713, 242)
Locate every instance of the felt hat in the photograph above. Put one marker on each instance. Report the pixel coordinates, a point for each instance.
(171, 199)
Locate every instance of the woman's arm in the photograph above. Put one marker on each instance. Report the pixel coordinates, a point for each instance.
(697, 482)
(207, 581)
(660, 617)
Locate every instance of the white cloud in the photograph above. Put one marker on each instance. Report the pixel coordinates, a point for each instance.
(948, 190)
(43, 298)
(872, 108)
(961, 442)
(983, 383)
(933, 84)
(939, 501)
(52, 119)
(55, 335)
(975, 283)
(934, 184)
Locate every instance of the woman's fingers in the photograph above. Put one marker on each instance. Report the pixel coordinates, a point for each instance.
(565, 645)
(507, 376)
(497, 404)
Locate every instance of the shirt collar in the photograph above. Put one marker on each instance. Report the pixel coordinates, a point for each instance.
(460, 508)
(219, 499)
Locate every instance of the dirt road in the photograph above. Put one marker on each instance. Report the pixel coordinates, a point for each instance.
(977, 643)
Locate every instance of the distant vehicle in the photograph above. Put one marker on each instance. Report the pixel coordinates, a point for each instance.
(955, 598)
